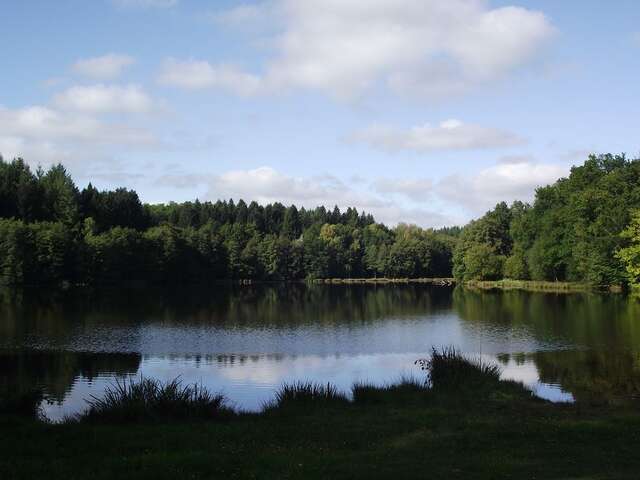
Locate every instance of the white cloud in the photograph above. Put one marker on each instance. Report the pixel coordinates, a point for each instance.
(346, 47)
(453, 200)
(145, 3)
(105, 99)
(416, 189)
(44, 123)
(448, 135)
(104, 67)
(506, 181)
(43, 135)
(192, 74)
(267, 185)
(239, 16)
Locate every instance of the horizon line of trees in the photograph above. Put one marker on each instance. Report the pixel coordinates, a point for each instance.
(583, 228)
(52, 232)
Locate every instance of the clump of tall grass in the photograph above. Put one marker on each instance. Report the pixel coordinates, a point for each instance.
(22, 403)
(303, 393)
(448, 369)
(150, 400)
(405, 389)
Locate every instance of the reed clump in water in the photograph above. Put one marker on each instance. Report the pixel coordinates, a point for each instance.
(448, 369)
(150, 400)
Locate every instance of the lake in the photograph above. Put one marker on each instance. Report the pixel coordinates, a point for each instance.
(245, 341)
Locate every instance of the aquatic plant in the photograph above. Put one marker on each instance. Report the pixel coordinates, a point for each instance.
(448, 369)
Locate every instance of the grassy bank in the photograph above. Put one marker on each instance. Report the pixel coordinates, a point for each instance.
(465, 424)
(538, 286)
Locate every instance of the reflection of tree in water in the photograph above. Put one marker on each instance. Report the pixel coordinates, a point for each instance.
(588, 320)
(225, 359)
(603, 328)
(592, 375)
(56, 372)
(27, 315)
(589, 375)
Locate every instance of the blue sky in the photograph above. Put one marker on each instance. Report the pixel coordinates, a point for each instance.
(419, 111)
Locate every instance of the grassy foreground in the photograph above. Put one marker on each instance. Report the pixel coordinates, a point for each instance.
(467, 424)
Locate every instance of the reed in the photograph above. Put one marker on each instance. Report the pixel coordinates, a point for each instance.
(149, 400)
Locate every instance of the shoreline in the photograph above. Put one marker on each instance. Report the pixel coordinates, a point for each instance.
(542, 286)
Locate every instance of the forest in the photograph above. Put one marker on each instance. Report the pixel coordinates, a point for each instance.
(51, 233)
(583, 228)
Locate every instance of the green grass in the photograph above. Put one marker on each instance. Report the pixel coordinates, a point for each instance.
(410, 429)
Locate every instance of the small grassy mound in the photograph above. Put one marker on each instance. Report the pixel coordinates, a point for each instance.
(149, 400)
(307, 394)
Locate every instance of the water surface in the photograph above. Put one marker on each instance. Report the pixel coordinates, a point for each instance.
(246, 341)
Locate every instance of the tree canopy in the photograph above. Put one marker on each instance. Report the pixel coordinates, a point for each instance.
(581, 228)
(50, 232)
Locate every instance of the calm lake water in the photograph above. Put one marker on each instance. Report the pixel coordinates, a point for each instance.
(246, 341)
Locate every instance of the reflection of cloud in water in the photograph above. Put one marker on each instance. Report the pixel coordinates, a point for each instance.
(527, 373)
(249, 381)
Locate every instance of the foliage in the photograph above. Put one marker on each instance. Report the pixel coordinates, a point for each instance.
(571, 232)
(50, 232)
(630, 255)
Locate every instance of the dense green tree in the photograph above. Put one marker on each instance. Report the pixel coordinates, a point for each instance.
(630, 254)
(60, 196)
(50, 232)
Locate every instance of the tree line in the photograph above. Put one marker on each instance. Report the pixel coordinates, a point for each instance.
(52, 232)
(583, 228)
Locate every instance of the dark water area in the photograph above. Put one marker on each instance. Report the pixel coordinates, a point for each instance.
(245, 341)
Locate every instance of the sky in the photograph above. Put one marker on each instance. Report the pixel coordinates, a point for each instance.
(417, 111)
